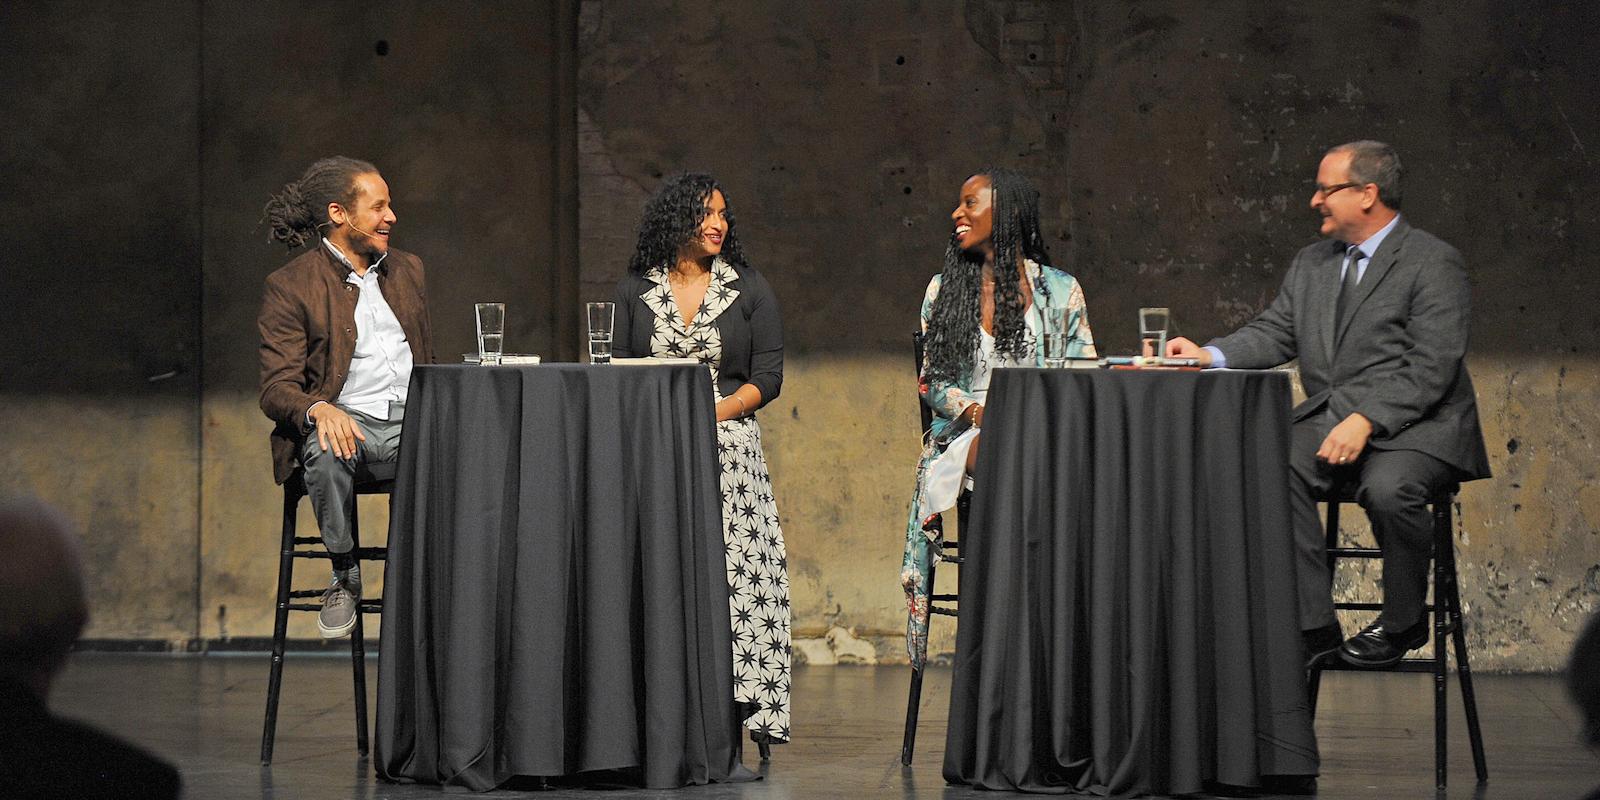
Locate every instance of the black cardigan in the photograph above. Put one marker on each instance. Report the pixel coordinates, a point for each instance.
(751, 329)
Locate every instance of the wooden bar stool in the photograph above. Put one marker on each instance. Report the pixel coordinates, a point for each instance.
(370, 479)
(1447, 627)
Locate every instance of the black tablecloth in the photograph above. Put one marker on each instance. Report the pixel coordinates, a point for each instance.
(1128, 619)
(555, 598)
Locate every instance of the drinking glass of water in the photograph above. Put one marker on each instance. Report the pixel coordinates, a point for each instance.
(1153, 324)
(601, 316)
(1055, 337)
(491, 332)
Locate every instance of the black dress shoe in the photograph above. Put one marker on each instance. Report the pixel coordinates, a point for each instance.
(1379, 646)
(1319, 642)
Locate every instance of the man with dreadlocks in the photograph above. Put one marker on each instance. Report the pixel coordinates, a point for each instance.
(341, 326)
(986, 309)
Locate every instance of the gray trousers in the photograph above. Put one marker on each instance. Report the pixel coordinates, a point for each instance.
(330, 481)
(1393, 487)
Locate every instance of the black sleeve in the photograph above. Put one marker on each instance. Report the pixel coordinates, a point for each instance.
(622, 325)
(766, 339)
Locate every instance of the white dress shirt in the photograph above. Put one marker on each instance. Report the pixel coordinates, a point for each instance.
(381, 367)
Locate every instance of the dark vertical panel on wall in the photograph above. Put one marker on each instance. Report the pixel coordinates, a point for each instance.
(98, 208)
(452, 103)
(99, 271)
(569, 338)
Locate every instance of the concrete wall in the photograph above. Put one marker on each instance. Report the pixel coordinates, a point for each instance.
(142, 142)
(1174, 148)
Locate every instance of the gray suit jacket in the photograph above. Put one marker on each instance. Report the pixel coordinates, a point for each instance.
(1398, 359)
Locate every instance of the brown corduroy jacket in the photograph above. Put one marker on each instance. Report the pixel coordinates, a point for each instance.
(308, 336)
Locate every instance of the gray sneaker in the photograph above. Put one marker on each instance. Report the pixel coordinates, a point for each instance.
(339, 609)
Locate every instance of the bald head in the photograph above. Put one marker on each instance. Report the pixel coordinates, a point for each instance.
(42, 603)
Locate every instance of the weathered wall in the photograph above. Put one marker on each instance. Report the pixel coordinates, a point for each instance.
(142, 142)
(1175, 149)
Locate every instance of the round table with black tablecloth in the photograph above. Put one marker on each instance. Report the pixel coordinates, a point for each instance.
(1127, 594)
(554, 599)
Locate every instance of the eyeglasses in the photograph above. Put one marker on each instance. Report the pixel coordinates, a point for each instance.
(1324, 191)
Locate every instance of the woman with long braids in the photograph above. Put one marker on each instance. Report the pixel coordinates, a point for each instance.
(690, 293)
(984, 310)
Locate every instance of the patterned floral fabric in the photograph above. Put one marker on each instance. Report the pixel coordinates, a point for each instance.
(948, 400)
(758, 568)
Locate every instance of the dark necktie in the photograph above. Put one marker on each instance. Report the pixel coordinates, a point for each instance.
(1347, 287)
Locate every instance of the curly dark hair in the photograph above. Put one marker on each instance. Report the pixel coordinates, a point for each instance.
(958, 310)
(672, 219)
(296, 215)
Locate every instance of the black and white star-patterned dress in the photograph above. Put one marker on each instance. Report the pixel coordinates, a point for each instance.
(758, 574)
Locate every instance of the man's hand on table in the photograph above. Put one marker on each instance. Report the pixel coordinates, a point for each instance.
(1180, 347)
(336, 431)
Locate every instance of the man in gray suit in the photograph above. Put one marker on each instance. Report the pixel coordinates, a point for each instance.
(1378, 316)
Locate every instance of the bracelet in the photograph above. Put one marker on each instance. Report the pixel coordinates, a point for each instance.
(742, 407)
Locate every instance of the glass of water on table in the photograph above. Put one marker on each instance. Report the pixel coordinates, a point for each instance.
(600, 316)
(491, 332)
(1153, 324)
(1055, 337)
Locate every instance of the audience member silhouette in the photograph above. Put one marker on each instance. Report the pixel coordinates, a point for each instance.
(42, 611)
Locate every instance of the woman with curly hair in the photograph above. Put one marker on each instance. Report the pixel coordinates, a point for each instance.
(690, 293)
(984, 310)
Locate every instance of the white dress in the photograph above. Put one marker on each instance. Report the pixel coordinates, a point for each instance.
(948, 473)
(757, 565)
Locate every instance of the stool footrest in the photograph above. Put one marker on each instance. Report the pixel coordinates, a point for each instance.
(1352, 605)
(1405, 665)
(948, 612)
(1356, 552)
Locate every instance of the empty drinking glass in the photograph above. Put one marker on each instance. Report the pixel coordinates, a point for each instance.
(491, 332)
(600, 316)
(1153, 323)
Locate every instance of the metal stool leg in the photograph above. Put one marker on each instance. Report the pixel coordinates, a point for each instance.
(1458, 634)
(358, 655)
(1441, 630)
(280, 622)
(913, 705)
(914, 698)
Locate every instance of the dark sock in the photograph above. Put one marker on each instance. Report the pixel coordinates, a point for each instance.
(343, 561)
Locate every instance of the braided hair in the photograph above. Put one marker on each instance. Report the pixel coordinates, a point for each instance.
(296, 215)
(958, 310)
(672, 219)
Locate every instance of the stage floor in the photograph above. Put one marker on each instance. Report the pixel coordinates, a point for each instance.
(1376, 733)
